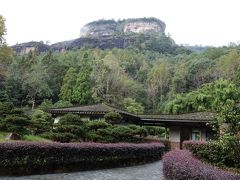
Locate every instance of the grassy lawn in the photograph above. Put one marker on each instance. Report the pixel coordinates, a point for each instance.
(24, 138)
(35, 138)
(3, 136)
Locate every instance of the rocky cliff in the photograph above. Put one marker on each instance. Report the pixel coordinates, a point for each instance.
(107, 34)
(25, 48)
(110, 27)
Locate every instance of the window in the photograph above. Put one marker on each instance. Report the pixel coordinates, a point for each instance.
(196, 135)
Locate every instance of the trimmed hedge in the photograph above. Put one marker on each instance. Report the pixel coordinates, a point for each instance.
(165, 142)
(36, 158)
(181, 165)
(194, 146)
(215, 153)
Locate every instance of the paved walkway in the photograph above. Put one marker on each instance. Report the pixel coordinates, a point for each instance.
(151, 171)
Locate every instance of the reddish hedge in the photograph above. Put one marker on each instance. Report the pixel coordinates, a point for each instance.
(181, 165)
(165, 142)
(36, 158)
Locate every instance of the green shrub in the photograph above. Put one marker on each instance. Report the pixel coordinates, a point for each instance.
(124, 134)
(93, 136)
(16, 122)
(223, 153)
(13, 119)
(231, 148)
(70, 128)
(96, 124)
(47, 135)
(45, 104)
(106, 135)
(72, 119)
(79, 131)
(113, 117)
(6, 109)
(155, 131)
(41, 122)
(117, 133)
(138, 130)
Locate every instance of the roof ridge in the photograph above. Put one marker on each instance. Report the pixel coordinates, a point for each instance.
(180, 113)
(74, 106)
(112, 107)
(107, 106)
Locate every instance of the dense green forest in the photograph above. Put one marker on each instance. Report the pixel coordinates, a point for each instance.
(136, 79)
(113, 76)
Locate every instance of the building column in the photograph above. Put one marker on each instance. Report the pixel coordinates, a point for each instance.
(174, 137)
(203, 134)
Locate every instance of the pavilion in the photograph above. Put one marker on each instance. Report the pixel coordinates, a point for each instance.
(181, 127)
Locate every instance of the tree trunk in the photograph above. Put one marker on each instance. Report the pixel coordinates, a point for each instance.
(33, 104)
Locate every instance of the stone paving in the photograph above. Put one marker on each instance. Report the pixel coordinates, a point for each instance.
(151, 171)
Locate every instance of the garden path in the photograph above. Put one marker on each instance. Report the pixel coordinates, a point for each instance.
(151, 171)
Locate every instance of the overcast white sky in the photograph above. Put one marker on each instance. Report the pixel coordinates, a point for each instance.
(194, 22)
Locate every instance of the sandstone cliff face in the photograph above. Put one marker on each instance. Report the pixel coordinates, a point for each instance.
(111, 27)
(142, 27)
(104, 34)
(99, 28)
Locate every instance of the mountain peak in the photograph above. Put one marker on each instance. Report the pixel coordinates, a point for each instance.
(127, 26)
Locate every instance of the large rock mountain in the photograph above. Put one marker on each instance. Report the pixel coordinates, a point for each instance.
(110, 27)
(105, 34)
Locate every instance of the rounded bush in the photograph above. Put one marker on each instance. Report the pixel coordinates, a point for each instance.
(181, 165)
(113, 117)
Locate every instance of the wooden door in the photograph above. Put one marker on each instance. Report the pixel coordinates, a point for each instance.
(184, 135)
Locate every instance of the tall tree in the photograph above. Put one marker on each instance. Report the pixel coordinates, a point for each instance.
(6, 59)
(2, 29)
(36, 85)
(104, 79)
(228, 65)
(210, 97)
(69, 82)
(179, 80)
(56, 72)
(108, 78)
(158, 83)
(82, 92)
(132, 106)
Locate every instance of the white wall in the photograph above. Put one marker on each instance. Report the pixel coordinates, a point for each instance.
(56, 120)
